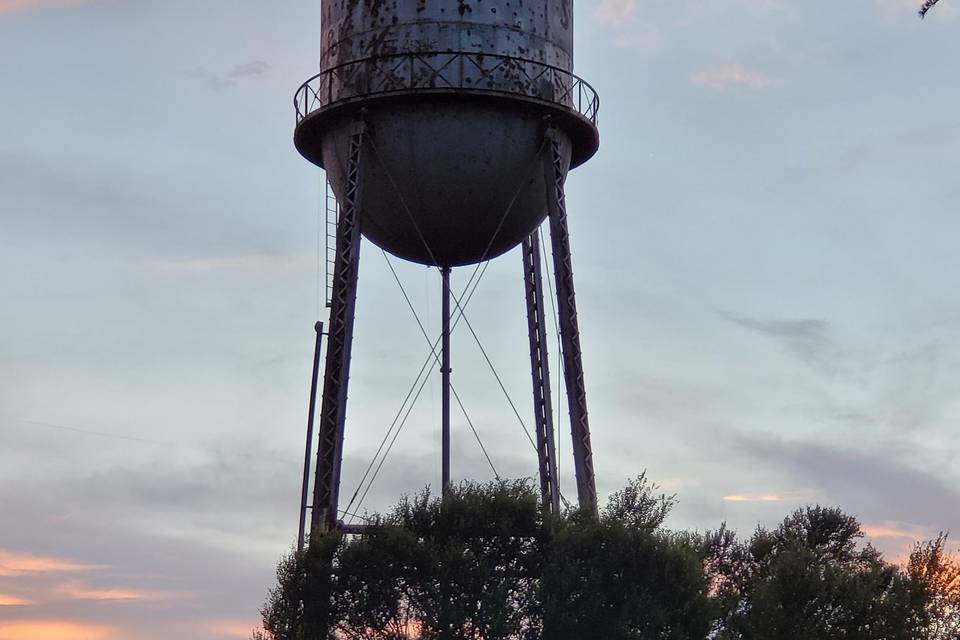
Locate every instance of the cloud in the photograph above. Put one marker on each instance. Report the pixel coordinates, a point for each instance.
(18, 564)
(618, 16)
(733, 75)
(613, 13)
(877, 485)
(170, 529)
(80, 591)
(231, 628)
(898, 538)
(137, 222)
(660, 21)
(904, 146)
(806, 338)
(770, 497)
(676, 484)
(54, 630)
(12, 601)
(191, 540)
(253, 69)
(642, 37)
(220, 81)
(258, 261)
(901, 530)
(7, 6)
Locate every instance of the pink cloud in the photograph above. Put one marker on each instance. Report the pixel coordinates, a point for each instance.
(231, 628)
(899, 530)
(7, 6)
(896, 539)
(789, 496)
(80, 591)
(12, 601)
(743, 497)
(54, 630)
(17, 564)
(614, 12)
(732, 75)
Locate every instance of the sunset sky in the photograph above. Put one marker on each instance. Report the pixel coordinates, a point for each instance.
(766, 259)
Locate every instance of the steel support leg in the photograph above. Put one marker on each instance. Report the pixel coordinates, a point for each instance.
(554, 173)
(326, 488)
(445, 383)
(540, 369)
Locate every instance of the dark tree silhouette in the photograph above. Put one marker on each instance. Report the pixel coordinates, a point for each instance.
(487, 563)
(939, 576)
(810, 578)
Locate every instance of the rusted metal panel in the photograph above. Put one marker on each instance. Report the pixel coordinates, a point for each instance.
(358, 29)
(455, 93)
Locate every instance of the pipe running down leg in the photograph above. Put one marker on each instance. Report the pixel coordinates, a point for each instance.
(311, 410)
(445, 383)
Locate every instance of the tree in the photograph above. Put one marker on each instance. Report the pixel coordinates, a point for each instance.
(938, 575)
(624, 577)
(810, 578)
(486, 562)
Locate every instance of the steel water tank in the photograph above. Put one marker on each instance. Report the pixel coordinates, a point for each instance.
(456, 95)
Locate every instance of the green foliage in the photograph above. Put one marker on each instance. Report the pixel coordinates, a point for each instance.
(486, 563)
(461, 568)
(623, 576)
(937, 576)
(809, 578)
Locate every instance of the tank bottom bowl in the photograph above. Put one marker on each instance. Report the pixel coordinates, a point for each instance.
(445, 181)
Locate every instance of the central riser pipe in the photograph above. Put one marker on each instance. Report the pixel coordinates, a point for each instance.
(445, 375)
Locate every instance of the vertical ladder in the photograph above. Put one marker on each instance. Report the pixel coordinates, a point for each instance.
(332, 208)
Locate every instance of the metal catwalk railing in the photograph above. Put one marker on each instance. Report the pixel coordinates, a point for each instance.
(448, 71)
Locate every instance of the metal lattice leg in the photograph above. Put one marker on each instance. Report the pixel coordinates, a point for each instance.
(569, 327)
(326, 488)
(540, 369)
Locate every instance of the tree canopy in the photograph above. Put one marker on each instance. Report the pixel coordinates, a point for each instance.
(488, 563)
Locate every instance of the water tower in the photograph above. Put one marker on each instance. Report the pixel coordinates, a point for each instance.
(446, 129)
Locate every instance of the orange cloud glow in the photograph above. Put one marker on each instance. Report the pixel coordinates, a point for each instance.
(12, 601)
(768, 497)
(743, 497)
(232, 628)
(54, 630)
(732, 75)
(78, 591)
(902, 530)
(18, 564)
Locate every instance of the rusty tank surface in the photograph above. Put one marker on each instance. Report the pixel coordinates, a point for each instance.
(454, 95)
